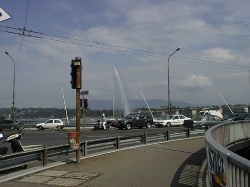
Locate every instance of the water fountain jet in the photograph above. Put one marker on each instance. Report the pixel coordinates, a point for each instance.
(124, 99)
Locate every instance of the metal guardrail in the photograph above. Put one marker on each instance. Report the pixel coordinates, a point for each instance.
(225, 168)
(91, 147)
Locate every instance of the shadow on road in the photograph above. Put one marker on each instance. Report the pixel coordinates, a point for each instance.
(188, 173)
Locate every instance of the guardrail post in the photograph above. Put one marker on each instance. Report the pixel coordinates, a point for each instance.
(117, 142)
(45, 155)
(167, 135)
(188, 132)
(145, 138)
(85, 148)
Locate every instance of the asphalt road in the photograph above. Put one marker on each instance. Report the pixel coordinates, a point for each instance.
(52, 137)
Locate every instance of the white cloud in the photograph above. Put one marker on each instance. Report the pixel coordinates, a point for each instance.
(194, 83)
(218, 54)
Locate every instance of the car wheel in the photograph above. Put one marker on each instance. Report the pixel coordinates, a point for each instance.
(168, 124)
(12, 128)
(205, 126)
(148, 125)
(128, 126)
(40, 128)
(59, 127)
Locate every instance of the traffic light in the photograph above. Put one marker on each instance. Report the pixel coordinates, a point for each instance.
(81, 103)
(86, 103)
(76, 77)
(73, 75)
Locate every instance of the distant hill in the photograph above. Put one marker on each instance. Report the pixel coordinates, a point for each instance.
(155, 103)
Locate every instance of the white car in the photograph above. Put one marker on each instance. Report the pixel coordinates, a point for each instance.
(51, 124)
(170, 120)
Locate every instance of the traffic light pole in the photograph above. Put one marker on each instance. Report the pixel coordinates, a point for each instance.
(78, 111)
(78, 117)
(83, 113)
(76, 83)
(84, 106)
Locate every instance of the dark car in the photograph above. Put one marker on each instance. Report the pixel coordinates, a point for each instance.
(203, 121)
(237, 116)
(9, 124)
(247, 117)
(135, 120)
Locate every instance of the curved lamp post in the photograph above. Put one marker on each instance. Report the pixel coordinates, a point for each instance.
(14, 87)
(169, 103)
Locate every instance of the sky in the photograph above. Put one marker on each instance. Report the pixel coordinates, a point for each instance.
(134, 37)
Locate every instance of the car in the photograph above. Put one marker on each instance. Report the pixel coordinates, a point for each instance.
(238, 116)
(51, 124)
(247, 117)
(9, 124)
(203, 121)
(170, 120)
(135, 120)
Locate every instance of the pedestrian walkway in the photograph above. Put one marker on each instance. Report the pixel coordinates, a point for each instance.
(170, 164)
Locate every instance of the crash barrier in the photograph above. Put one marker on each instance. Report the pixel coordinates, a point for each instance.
(97, 146)
(225, 168)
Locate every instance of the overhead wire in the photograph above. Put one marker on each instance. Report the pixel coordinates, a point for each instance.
(21, 44)
(20, 47)
(103, 46)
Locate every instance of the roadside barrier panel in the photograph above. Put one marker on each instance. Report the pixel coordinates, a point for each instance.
(225, 168)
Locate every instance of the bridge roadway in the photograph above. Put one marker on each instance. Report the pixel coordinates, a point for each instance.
(178, 163)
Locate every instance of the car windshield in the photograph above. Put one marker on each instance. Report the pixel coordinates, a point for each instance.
(198, 117)
(168, 117)
(130, 116)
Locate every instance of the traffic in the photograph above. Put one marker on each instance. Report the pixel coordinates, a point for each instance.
(54, 132)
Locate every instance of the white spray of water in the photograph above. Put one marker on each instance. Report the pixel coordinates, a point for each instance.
(123, 96)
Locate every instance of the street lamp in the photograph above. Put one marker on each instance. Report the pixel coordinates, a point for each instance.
(14, 87)
(169, 103)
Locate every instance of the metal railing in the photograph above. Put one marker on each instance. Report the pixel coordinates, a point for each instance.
(225, 168)
(44, 155)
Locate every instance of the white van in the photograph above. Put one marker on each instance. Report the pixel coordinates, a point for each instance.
(211, 112)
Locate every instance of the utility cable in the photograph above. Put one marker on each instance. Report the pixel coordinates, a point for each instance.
(120, 48)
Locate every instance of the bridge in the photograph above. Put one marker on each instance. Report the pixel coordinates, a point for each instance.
(194, 160)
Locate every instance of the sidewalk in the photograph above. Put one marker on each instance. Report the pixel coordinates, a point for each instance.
(168, 164)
